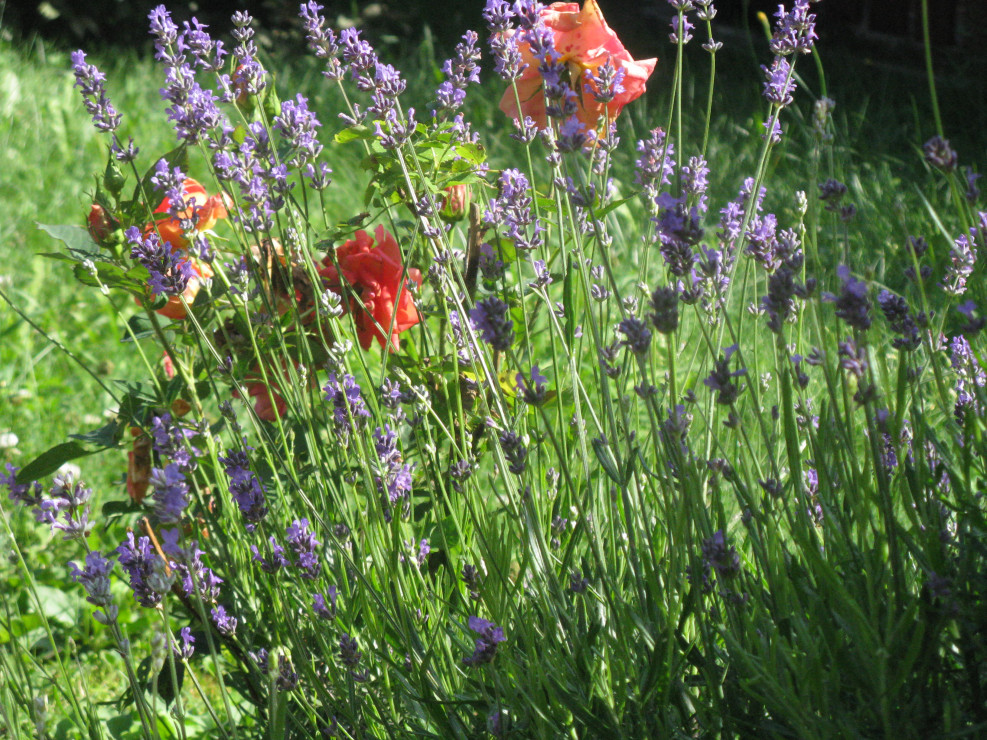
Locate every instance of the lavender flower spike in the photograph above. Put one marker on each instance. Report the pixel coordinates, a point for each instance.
(91, 82)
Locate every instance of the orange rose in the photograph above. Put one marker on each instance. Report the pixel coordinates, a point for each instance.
(374, 272)
(208, 210)
(269, 405)
(586, 43)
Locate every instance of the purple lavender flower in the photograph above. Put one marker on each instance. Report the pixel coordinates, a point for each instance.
(225, 623)
(719, 555)
(460, 471)
(170, 272)
(186, 562)
(679, 229)
(607, 83)
(27, 494)
(901, 321)
(276, 562)
(321, 41)
(95, 578)
(779, 83)
(347, 401)
(246, 490)
(637, 336)
(170, 493)
(853, 358)
(721, 379)
(665, 310)
(297, 124)
(533, 392)
(972, 193)
(515, 451)
(171, 440)
(574, 136)
(656, 164)
(145, 570)
(92, 83)
(962, 260)
(490, 318)
(940, 154)
(795, 31)
(304, 544)
(350, 656)
(184, 647)
(489, 635)
(287, 679)
(461, 70)
(321, 608)
(681, 25)
(969, 376)
(852, 305)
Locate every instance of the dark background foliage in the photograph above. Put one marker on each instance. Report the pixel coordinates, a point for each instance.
(123, 22)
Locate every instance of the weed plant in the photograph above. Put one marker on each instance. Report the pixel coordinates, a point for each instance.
(561, 433)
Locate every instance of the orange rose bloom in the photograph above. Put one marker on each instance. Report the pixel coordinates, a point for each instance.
(208, 210)
(373, 270)
(585, 42)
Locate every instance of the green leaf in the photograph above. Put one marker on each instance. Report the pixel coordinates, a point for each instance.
(59, 605)
(108, 435)
(75, 238)
(354, 133)
(112, 276)
(51, 460)
(140, 328)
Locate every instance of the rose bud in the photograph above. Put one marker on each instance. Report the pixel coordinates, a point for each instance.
(99, 223)
(455, 203)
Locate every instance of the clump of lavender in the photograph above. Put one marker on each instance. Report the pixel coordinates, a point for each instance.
(170, 493)
(95, 578)
(350, 656)
(193, 575)
(490, 318)
(347, 402)
(298, 126)
(170, 272)
(721, 556)
(321, 607)
(321, 41)
(940, 154)
(962, 260)
(532, 390)
(511, 211)
(637, 336)
(67, 507)
(970, 376)
(304, 544)
(145, 569)
(171, 440)
(852, 304)
(27, 494)
(722, 381)
(246, 490)
(655, 165)
(901, 321)
(461, 70)
(92, 84)
(515, 451)
(393, 477)
(489, 635)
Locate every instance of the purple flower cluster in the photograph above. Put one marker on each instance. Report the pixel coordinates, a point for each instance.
(347, 402)
(297, 124)
(193, 109)
(901, 321)
(146, 571)
(795, 30)
(852, 304)
(95, 578)
(67, 508)
(969, 376)
(720, 556)
(321, 608)
(721, 379)
(92, 83)
(940, 154)
(186, 563)
(169, 271)
(515, 451)
(169, 492)
(489, 635)
(304, 544)
(637, 336)
(511, 211)
(460, 71)
(171, 439)
(246, 490)
(962, 260)
(26, 494)
(393, 478)
(533, 391)
(665, 310)
(321, 41)
(490, 317)
(655, 165)
(607, 83)
(262, 179)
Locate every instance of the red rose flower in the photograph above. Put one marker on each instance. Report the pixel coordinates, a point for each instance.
(585, 42)
(373, 271)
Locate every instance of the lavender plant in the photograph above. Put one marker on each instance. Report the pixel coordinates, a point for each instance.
(520, 448)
